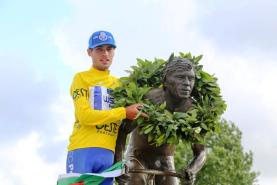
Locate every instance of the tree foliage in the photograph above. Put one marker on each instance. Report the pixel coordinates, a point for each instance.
(227, 163)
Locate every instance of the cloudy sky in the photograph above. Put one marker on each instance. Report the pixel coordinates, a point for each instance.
(43, 43)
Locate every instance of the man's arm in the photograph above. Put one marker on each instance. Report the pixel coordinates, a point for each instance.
(89, 116)
(83, 111)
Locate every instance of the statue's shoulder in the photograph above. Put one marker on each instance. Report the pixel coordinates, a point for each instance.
(155, 95)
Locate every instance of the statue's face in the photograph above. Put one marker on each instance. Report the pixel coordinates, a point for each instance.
(180, 82)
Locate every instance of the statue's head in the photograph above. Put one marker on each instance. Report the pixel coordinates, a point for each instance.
(179, 77)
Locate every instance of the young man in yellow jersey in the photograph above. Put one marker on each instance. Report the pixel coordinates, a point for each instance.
(92, 142)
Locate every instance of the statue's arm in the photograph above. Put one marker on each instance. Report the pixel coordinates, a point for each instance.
(120, 144)
(124, 130)
(196, 164)
(199, 159)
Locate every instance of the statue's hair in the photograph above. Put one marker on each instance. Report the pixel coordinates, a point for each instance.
(175, 63)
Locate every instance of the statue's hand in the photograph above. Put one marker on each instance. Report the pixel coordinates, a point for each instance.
(121, 180)
(125, 177)
(189, 177)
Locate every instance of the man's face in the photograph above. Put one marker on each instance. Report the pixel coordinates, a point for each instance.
(102, 56)
(180, 82)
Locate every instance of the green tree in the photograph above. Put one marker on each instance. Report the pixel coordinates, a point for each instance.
(227, 163)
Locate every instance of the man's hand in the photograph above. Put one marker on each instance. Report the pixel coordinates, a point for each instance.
(133, 111)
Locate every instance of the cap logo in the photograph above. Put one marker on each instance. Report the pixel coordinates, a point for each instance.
(103, 36)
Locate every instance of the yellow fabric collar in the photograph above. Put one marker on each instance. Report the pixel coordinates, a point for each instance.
(98, 72)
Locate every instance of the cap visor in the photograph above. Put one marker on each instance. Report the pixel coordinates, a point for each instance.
(103, 43)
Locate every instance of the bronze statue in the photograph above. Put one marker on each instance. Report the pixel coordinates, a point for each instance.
(178, 82)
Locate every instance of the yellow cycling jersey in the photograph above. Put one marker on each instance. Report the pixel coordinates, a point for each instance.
(96, 122)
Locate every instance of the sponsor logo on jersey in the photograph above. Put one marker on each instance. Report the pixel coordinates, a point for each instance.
(101, 99)
(77, 93)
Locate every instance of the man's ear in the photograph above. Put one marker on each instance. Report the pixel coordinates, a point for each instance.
(89, 50)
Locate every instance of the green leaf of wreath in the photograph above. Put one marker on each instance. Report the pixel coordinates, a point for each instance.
(163, 126)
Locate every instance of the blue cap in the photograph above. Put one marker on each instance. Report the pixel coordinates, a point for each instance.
(100, 38)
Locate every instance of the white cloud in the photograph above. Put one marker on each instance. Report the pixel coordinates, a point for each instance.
(21, 163)
(71, 54)
(178, 17)
(29, 103)
(238, 25)
(247, 84)
(5, 179)
(24, 100)
(64, 114)
(268, 181)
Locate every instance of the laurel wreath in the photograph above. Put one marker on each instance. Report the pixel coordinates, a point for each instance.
(163, 126)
